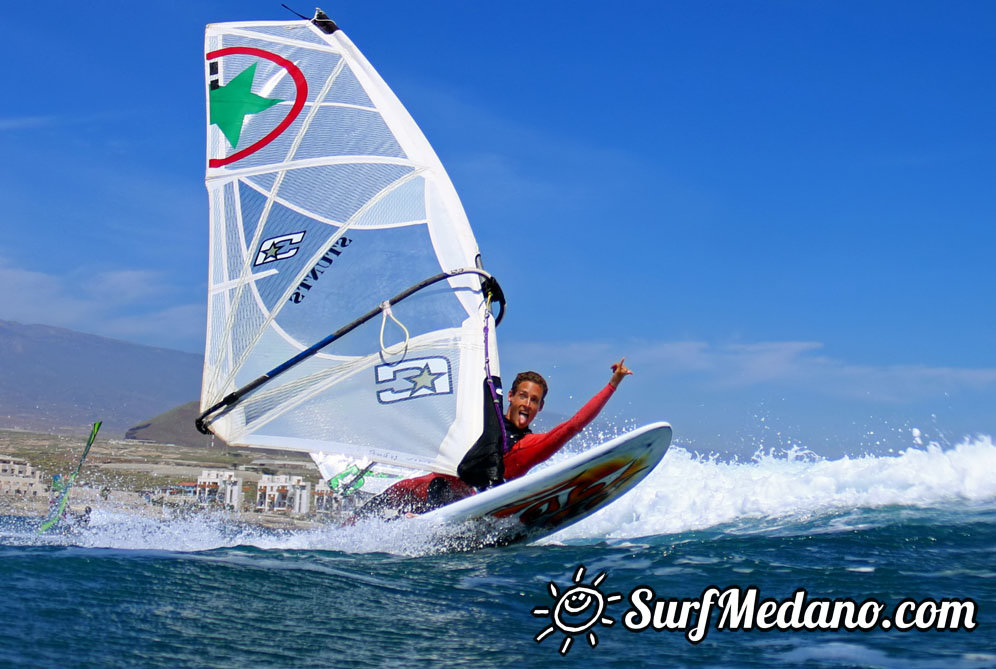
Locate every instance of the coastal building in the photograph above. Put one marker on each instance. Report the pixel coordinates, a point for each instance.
(282, 493)
(220, 486)
(179, 494)
(18, 477)
(325, 499)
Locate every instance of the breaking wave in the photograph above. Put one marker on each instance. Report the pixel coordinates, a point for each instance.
(689, 492)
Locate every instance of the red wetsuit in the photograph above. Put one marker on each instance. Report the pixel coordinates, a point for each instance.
(412, 495)
(533, 449)
(526, 453)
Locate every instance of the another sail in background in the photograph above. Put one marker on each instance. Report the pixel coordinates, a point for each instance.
(57, 510)
(325, 201)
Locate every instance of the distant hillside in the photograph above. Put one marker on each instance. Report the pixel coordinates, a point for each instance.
(60, 381)
(175, 426)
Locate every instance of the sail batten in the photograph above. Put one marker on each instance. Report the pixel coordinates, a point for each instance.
(327, 203)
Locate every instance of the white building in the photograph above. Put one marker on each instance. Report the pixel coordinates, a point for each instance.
(220, 486)
(283, 494)
(17, 477)
(325, 500)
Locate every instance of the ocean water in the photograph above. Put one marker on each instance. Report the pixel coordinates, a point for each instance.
(206, 591)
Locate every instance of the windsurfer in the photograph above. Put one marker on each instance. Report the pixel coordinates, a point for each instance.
(526, 449)
(490, 462)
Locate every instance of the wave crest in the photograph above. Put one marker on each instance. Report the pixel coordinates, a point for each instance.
(690, 492)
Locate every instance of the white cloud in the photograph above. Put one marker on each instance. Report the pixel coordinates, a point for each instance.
(22, 122)
(127, 286)
(48, 120)
(136, 305)
(36, 297)
(751, 364)
(787, 366)
(500, 179)
(181, 323)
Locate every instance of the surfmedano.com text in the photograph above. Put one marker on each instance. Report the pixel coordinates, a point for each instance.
(743, 609)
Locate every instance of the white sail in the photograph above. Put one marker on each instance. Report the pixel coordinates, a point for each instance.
(326, 200)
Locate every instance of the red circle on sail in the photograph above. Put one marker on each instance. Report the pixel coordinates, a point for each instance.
(300, 83)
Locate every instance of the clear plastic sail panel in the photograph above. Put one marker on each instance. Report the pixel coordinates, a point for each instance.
(325, 201)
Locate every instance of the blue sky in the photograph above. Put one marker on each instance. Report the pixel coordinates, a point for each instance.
(781, 212)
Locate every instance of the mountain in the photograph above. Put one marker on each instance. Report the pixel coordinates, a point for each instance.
(58, 380)
(175, 426)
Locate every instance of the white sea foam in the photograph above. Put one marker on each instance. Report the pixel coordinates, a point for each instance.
(126, 529)
(687, 492)
(208, 530)
(690, 492)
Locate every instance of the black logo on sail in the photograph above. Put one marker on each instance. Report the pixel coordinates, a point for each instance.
(315, 273)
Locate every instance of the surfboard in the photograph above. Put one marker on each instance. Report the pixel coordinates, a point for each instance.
(548, 500)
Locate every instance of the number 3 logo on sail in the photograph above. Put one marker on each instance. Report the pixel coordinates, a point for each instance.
(278, 248)
(413, 378)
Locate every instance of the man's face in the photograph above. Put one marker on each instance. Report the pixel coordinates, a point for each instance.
(524, 404)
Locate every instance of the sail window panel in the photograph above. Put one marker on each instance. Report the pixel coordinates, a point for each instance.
(346, 89)
(280, 219)
(247, 322)
(404, 204)
(272, 348)
(264, 181)
(324, 417)
(234, 254)
(429, 310)
(292, 245)
(373, 267)
(337, 192)
(222, 211)
(217, 358)
(309, 376)
(346, 131)
(256, 127)
(345, 407)
(251, 205)
(272, 80)
(299, 32)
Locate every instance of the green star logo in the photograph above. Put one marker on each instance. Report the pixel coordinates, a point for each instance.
(231, 103)
(272, 251)
(424, 379)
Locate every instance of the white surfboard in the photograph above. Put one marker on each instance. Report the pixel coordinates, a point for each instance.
(544, 501)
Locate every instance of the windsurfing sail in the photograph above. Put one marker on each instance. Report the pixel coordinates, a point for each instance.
(58, 509)
(331, 213)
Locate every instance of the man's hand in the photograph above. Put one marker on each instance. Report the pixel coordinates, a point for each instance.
(619, 371)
